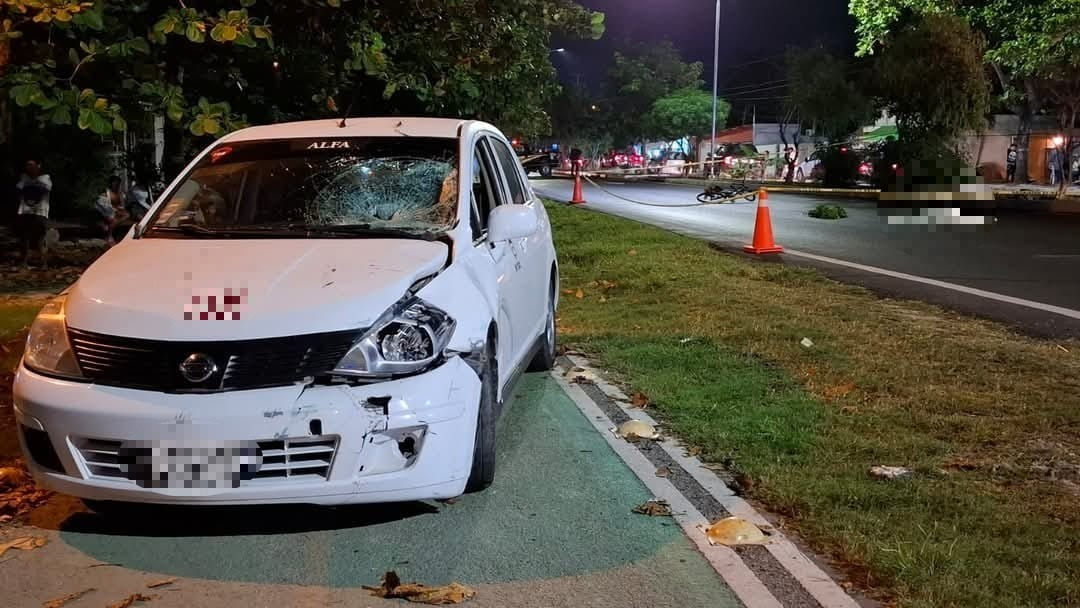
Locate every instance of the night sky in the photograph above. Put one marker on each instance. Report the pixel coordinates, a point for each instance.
(757, 31)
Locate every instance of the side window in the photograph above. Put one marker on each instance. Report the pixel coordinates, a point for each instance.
(511, 168)
(483, 190)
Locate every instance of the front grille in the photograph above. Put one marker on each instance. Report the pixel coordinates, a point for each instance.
(242, 364)
(304, 458)
(295, 459)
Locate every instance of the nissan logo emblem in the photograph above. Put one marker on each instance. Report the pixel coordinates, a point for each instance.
(198, 368)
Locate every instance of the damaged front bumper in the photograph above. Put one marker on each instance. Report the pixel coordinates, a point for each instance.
(402, 440)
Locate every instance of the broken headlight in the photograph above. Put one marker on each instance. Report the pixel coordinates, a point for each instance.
(47, 348)
(406, 340)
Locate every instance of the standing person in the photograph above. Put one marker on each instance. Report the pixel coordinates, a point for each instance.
(33, 218)
(139, 199)
(1055, 166)
(1010, 163)
(790, 158)
(111, 207)
(575, 161)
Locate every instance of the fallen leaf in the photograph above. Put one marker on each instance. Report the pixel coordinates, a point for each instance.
(581, 380)
(639, 400)
(392, 588)
(12, 478)
(734, 531)
(1063, 349)
(568, 292)
(24, 543)
(603, 299)
(632, 252)
(889, 473)
(807, 342)
(839, 392)
(663, 472)
(71, 597)
(849, 410)
(579, 294)
(162, 583)
(693, 452)
(636, 429)
(654, 508)
(131, 599)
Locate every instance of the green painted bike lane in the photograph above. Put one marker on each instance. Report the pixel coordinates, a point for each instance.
(560, 508)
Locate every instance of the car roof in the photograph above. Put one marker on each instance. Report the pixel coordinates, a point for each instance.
(358, 127)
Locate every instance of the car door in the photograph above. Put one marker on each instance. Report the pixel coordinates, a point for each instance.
(531, 292)
(487, 194)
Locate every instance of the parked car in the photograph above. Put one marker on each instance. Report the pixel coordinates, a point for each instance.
(811, 169)
(311, 313)
(542, 163)
(622, 160)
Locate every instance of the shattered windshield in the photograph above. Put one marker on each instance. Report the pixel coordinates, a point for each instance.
(317, 186)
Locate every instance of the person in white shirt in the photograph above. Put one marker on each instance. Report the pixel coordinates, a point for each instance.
(33, 217)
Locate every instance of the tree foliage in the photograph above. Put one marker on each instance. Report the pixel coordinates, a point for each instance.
(685, 113)
(95, 64)
(638, 79)
(934, 80)
(826, 94)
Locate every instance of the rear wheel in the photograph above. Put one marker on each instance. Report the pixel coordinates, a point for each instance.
(544, 359)
(483, 462)
(800, 176)
(545, 171)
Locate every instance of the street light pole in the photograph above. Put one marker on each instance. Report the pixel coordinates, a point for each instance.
(716, 68)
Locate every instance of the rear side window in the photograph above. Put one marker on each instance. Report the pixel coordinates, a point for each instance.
(511, 169)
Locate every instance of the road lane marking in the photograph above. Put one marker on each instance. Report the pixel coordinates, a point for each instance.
(989, 295)
(812, 578)
(727, 563)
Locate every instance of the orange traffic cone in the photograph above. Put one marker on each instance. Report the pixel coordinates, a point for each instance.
(578, 198)
(763, 236)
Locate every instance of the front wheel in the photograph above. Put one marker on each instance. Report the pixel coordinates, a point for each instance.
(483, 461)
(545, 171)
(707, 197)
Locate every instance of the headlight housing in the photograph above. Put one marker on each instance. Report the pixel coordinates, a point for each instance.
(47, 348)
(408, 339)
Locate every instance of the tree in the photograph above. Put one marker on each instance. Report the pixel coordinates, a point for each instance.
(826, 95)
(94, 62)
(685, 113)
(932, 76)
(1032, 45)
(638, 79)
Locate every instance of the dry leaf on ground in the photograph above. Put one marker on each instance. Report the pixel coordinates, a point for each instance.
(130, 600)
(639, 400)
(838, 392)
(734, 531)
(654, 508)
(632, 252)
(24, 543)
(632, 430)
(12, 478)
(392, 588)
(71, 597)
(580, 294)
(161, 583)
(663, 472)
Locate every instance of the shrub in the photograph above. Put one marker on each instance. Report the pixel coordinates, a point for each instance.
(828, 212)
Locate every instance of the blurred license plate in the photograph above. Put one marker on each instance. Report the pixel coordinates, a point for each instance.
(192, 464)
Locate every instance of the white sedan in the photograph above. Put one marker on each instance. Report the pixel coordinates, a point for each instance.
(317, 312)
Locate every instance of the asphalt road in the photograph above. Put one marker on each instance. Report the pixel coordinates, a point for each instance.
(556, 529)
(1028, 256)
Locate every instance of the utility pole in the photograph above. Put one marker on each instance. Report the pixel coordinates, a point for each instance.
(716, 71)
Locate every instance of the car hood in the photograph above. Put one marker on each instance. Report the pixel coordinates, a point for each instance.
(189, 289)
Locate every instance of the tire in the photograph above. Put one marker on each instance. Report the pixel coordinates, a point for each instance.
(799, 176)
(545, 171)
(707, 198)
(752, 198)
(483, 462)
(544, 360)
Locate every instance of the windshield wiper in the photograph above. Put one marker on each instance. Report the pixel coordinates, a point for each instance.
(367, 230)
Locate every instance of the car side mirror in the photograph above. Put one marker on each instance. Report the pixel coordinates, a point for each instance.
(510, 222)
